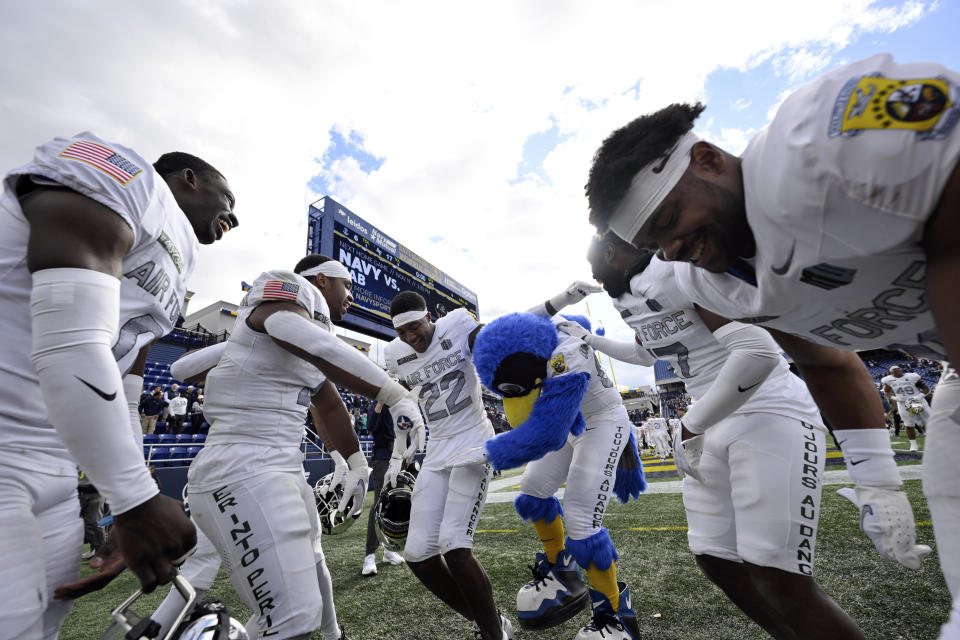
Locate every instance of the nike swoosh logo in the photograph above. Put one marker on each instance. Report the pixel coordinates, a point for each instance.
(106, 396)
(786, 265)
(742, 389)
(856, 462)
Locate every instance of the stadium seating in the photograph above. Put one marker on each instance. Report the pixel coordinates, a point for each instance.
(175, 457)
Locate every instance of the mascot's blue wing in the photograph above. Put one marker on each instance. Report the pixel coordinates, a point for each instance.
(556, 414)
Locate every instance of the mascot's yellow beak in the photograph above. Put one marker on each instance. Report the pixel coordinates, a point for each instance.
(519, 409)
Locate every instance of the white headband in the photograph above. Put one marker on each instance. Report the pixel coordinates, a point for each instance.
(407, 316)
(330, 268)
(649, 187)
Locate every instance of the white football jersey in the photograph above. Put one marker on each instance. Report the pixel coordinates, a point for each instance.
(656, 425)
(449, 386)
(905, 386)
(572, 355)
(151, 292)
(670, 328)
(674, 423)
(257, 397)
(838, 188)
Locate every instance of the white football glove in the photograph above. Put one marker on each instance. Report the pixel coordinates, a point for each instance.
(406, 415)
(574, 329)
(887, 519)
(573, 294)
(686, 454)
(339, 469)
(467, 457)
(393, 470)
(354, 485)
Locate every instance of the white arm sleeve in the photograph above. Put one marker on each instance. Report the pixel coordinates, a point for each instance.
(624, 351)
(75, 313)
(295, 329)
(753, 355)
(196, 362)
(132, 388)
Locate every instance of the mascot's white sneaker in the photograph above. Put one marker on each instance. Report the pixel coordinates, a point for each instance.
(608, 624)
(392, 557)
(555, 594)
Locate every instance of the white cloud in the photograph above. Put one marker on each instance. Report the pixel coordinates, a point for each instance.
(446, 93)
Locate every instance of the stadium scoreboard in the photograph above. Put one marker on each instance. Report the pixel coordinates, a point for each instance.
(381, 267)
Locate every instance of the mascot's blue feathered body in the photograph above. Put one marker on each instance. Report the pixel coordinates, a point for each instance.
(512, 355)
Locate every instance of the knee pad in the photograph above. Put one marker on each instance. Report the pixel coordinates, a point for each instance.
(598, 549)
(532, 509)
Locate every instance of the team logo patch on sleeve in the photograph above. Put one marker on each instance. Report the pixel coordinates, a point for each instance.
(922, 105)
(558, 364)
(103, 158)
(279, 290)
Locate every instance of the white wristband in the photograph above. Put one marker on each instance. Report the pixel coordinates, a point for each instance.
(357, 460)
(75, 313)
(868, 457)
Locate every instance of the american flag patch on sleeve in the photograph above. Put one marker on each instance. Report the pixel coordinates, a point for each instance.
(103, 158)
(279, 290)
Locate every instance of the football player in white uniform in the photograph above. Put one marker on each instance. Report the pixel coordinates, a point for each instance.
(837, 228)
(95, 249)
(280, 360)
(751, 449)
(658, 435)
(907, 390)
(446, 503)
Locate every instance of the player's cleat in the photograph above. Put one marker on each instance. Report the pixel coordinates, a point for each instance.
(392, 557)
(369, 565)
(505, 627)
(555, 594)
(913, 446)
(88, 554)
(608, 624)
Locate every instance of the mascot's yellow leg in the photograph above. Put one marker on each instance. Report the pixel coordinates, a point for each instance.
(551, 536)
(605, 581)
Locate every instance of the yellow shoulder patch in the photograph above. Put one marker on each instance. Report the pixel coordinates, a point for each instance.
(911, 104)
(558, 364)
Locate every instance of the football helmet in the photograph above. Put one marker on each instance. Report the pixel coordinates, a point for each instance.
(328, 501)
(208, 620)
(183, 497)
(915, 406)
(391, 513)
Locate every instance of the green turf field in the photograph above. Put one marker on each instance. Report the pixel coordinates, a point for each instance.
(672, 599)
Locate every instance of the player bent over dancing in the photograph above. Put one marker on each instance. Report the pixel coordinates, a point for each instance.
(446, 503)
(751, 448)
(247, 489)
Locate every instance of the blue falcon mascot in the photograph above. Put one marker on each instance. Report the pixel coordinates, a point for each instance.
(570, 428)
